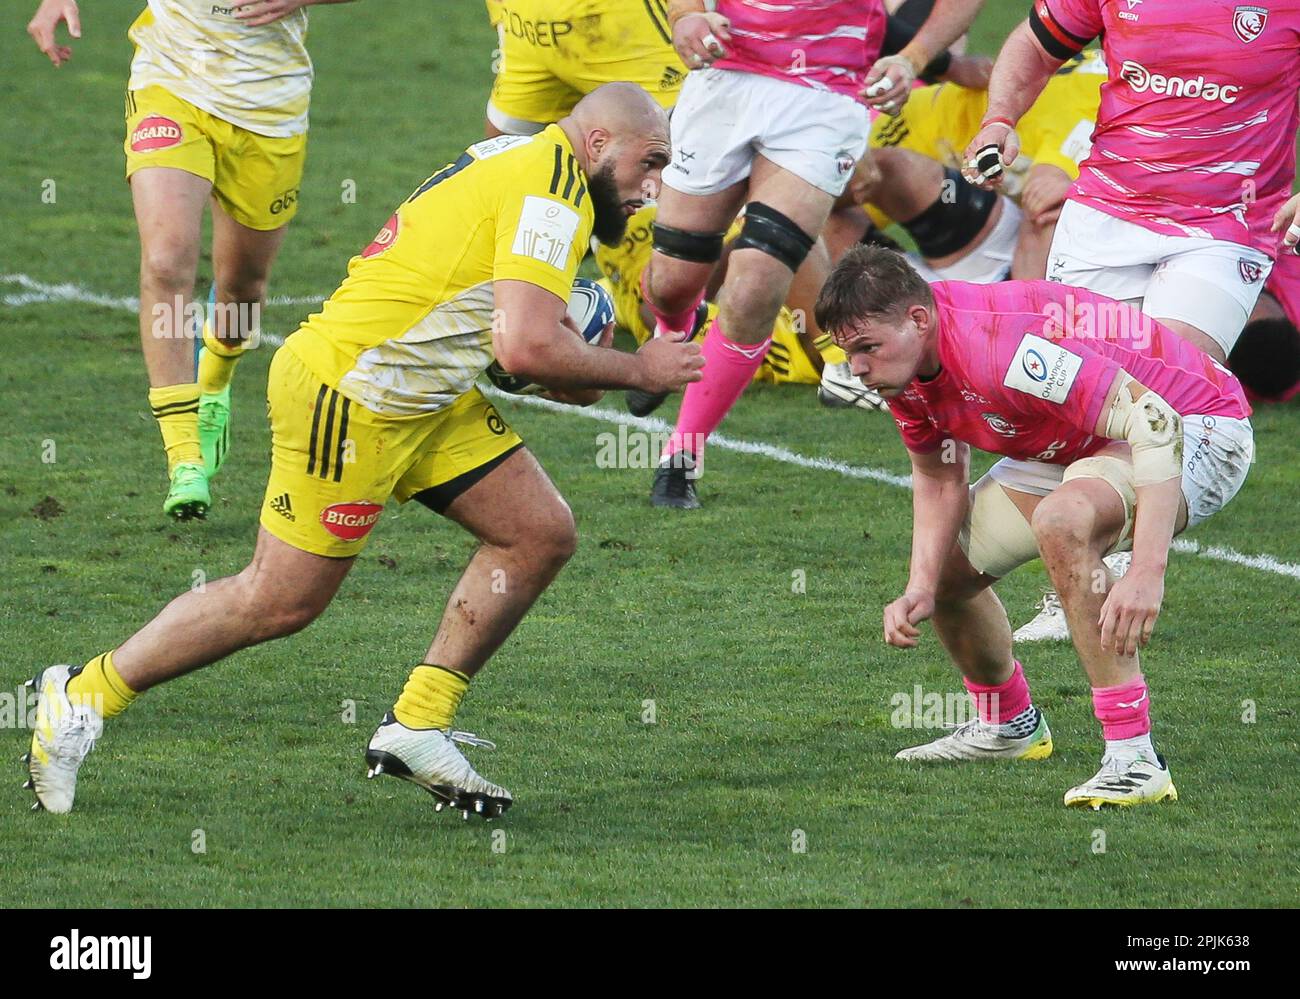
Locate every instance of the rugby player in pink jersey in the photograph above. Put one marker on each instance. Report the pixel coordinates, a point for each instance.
(1179, 204)
(1116, 433)
(769, 119)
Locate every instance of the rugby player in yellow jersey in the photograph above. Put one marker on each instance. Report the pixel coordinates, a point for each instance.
(373, 398)
(216, 109)
(965, 234)
(552, 52)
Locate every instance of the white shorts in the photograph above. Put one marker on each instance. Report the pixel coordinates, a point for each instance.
(1208, 283)
(987, 263)
(724, 118)
(1217, 454)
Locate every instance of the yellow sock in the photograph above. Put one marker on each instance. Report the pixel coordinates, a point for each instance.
(176, 408)
(99, 684)
(431, 696)
(830, 353)
(217, 362)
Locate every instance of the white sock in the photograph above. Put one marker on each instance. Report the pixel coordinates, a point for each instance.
(1131, 749)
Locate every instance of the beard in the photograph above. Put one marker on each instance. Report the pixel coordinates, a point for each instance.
(611, 223)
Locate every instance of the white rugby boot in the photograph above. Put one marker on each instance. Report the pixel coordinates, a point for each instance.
(428, 757)
(841, 389)
(62, 737)
(1124, 782)
(977, 740)
(1050, 625)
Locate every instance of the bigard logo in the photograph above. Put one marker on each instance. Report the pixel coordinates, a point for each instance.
(350, 521)
(155, 132)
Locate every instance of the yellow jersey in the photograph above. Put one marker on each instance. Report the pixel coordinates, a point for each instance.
(939, 121)
(410, 328)
(258, 78)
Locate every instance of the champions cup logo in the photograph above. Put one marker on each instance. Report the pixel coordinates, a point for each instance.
(155, 132)
(350, 521)
(1141, 79)
(1248, 22)
(1034, 365)
(383, 239)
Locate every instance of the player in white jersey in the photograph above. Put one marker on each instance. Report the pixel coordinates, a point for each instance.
(216, 107)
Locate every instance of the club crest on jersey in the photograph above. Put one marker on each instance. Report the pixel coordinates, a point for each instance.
(155, 132)
(1248, 22)
(383, 239)
(1250, 270)
(999, 425)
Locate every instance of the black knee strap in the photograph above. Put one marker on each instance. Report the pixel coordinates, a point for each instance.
(770, 232)
(696, 247)
(948, 226)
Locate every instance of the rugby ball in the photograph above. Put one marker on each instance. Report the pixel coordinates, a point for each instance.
(591, 309)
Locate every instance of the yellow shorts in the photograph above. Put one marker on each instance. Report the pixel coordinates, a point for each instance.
(334, 463)
(552, 54)
(254, 177)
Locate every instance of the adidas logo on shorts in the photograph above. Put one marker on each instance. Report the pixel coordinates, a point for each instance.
(283, 507)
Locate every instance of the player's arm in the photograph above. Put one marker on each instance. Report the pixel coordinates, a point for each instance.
(256, 12)
(530, 340)
(889, 80)
(1154, 432)
(940, 484)
(1033, 51)
(46, 20)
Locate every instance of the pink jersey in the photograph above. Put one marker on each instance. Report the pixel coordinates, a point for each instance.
(1196, 130)
(1025, 367)
(823, 44)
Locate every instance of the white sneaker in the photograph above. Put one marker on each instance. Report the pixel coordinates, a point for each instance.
(841, 389)
(1050, 623)
(977, 741)
(1124, 782)
(428, 757)
(62, 737)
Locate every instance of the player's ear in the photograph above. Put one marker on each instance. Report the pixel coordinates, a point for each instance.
(598, 140)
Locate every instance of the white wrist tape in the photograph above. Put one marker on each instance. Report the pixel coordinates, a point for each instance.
(1153, 430)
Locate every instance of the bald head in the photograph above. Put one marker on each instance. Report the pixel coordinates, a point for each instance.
(619, 135)
(622, 109)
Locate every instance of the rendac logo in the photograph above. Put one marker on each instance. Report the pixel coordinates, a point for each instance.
(155, 132)
(1142, 79)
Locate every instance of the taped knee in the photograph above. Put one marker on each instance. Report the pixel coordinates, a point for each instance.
(694, 247)
(770, 232)
(955, 218)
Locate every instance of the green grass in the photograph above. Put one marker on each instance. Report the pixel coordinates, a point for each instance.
(773, 708)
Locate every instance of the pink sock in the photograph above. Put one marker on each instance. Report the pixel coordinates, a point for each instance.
(728, 368)
(998, 703)
(677, 322)
(1124, 711)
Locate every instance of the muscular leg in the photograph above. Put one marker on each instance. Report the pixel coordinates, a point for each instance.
(282, 590)
(971, 622)
(757, 283)
(241, 264)
(674, 285)
(169, 213)
(1075, 525)
(526, 535)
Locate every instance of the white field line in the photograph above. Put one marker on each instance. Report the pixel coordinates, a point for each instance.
(35, 292)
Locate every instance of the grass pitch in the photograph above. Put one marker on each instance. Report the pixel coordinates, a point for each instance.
(772, 707)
